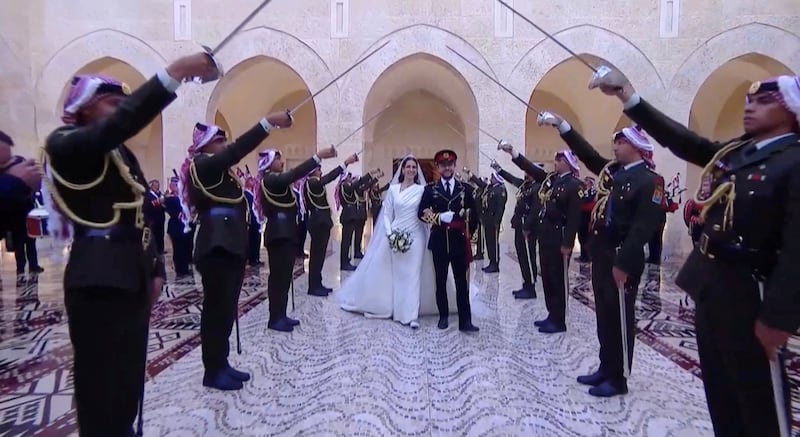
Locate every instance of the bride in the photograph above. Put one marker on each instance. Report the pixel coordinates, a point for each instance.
(393, 284)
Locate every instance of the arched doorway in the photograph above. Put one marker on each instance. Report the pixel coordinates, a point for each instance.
(147, 144)
(430, 107)
(563, 90)
(718, 107)
(254, 88)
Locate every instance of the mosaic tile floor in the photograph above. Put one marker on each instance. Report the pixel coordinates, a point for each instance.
(343, 374)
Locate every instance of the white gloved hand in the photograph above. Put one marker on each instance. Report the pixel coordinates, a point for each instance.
(446, 217)
(610, 81)
(548, 118)
(505, 146)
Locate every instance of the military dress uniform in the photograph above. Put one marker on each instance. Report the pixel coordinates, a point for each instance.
(584, 236)
(320, 224)
(352, 218)
(738, 252)
(493, 206)
(376, 199)
(253, 233)
(477, 193)
(155, 216)
(560, 197)
(450, 243)
(181, 255)
(220, 246)
(279, 207)
(527, 207)
(628, 211)
(97, 183)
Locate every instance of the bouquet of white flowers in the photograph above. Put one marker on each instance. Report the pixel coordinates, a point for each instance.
(400, 241)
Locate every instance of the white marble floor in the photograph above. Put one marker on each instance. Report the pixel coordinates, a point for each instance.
(343, 374)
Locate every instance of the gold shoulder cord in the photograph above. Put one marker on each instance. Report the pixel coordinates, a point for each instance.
(203, 189)
(724, 193)
(351, 200)
(124, 171)
(603, 191)
(269, 196)
(544, 192)
(312, 195)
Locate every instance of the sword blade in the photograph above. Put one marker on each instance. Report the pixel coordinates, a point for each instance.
(362, 126)
(311, 97)
(241, 25)
(527, 20)
(494, 80)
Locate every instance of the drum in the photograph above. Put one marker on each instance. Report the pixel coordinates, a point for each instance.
(34, 222)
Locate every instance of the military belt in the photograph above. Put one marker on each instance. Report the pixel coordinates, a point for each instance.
(116, 233)
(733, 253)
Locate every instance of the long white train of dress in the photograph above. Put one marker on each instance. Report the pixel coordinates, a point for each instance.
(389, 284)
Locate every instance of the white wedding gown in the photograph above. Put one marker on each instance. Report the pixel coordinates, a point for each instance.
(396, 285)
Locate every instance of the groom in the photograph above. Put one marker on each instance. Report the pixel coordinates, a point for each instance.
(450, 208)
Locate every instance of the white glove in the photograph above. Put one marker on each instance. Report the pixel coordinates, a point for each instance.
(607, 79)
(548, 118)
(505, 146)
(447, 217)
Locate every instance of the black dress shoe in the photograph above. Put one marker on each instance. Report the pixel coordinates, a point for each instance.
(478, 257)
(542, 322)
(593, 379)
(348, 267)
(291, 321)
(37, 269)
(492, 268)
(516, 292)
(318, 291)
(608, 389)
(443, 323)
(282, 325)
(328, 290)
(237, 374)
(525, 294)
(552, 328)
(221, 380)
(468, 328)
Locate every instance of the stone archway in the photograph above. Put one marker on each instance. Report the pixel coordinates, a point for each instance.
(147, 144)
(563, 90)
(717, 109)
(431, 41)
(431, 107)
(240, 99)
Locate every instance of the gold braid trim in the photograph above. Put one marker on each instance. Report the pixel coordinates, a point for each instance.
(346, 200)
(312, 195)
(724, 193)
(268, 196)
(124, 172)
(203, 189)
(544, 192)
(603, 191)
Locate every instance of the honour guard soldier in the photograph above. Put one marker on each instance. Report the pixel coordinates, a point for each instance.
(95, 190)
(181, 253)
(376, 199)
(254, 228)
(211, 190)
(154, 213)
(450, 210)
(320, 223)
(352, 218)
(302, 217)
(493, 204)
(628, 212)
(560, 195)
(743, 272)
(589, 200)
(528, 206)
(278, 205)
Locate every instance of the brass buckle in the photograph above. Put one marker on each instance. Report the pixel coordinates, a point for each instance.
(146, 237)
(702, 245)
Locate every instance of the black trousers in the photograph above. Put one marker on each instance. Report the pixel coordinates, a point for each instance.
(24, 250)
(609, 325)
(526, 254)
(441, 262)
(316, 258)
(108, 331)
(253, 243)
(157, 228)
(655, 245)
(281, 254)
(348, 229)
(302, 232)
(181, 252)
(479, 244)
(584, 234)
(223, 273)
(552, 263)
(358, 237)
(736, 374)
(492, 232)
(375, 212)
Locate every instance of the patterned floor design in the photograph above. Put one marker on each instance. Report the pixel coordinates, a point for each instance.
(342, 374)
